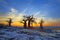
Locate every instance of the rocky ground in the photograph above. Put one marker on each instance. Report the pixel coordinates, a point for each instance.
(16, 33)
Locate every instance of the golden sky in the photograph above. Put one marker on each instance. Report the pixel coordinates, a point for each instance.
(34, 24)
(19, 16)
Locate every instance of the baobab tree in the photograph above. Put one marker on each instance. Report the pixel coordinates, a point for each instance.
(41, 24)
(24, 21)
(33, 20)
(9, 22)
(30, 19)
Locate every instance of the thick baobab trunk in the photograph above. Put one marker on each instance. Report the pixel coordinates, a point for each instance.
(41, 24)
(25, 24)
(28, 24)
(10, 21)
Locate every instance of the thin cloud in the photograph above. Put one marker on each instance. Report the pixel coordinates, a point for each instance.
(12, 14)
(37, 13)
(20, 15)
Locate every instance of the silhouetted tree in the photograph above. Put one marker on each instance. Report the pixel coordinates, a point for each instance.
(30, 19)
(9, 22)
(24, 21)
(41, 24)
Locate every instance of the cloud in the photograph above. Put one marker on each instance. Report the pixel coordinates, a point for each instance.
(4, 4)
(14, 14)
(18, 16)
(58, 1)
(54, 20)
(37, 13)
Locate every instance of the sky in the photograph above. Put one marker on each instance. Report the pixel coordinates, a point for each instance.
(49, 10)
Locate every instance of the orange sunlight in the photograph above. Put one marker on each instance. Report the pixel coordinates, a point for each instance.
(33, 24)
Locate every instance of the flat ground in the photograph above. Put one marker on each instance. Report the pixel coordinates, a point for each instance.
(16, 33)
